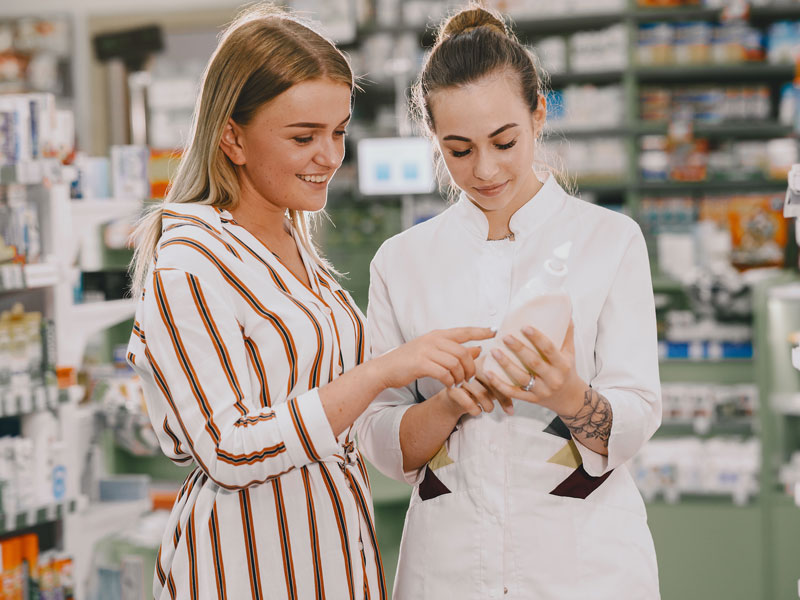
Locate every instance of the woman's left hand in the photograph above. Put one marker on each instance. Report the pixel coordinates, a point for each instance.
(556, 384)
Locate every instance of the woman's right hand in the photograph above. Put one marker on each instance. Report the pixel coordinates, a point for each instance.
(438, 354)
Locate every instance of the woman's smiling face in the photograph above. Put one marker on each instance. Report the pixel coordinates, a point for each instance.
(487, 136)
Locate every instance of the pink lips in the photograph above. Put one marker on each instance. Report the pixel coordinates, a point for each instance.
(493, 190)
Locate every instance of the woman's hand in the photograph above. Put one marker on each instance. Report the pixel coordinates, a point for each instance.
(555, 381)
(438, 354)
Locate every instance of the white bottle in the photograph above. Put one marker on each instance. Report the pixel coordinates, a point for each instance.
(542, 303)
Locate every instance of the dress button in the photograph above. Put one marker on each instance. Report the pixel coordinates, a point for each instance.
(492, 448)
(492, 311)
(505, 590)
(327, 310)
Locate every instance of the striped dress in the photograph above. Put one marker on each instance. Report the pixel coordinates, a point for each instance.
(232, 348)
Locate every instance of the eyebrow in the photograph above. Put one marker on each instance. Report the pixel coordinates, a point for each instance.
(459, 138)
(317, 125)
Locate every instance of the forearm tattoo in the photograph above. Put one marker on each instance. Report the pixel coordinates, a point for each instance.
(593, 420)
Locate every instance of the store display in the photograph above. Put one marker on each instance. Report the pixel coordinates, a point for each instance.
(672, 468)
(29, 574)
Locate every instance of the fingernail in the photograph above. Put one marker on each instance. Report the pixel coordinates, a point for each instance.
(490, 376)
(509, 339)
(509, 411)
(528, 330)
(497, 354)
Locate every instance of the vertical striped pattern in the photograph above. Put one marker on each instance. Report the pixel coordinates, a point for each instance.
(235, 341)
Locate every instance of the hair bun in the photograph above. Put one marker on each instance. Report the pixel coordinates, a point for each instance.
(472, 18)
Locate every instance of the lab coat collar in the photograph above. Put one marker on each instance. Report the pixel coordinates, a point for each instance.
(528, 217)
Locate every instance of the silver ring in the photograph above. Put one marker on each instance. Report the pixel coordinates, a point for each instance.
(528, 386)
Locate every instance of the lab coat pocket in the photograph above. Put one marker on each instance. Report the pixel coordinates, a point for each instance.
(618, 557)
(441, 544)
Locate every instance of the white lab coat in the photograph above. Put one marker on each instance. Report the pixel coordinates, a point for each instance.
(505, 514)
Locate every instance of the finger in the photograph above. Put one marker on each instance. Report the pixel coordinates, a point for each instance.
(479, 394)
(452, 364)
(465, 401)
(505, 402)
(462, 354)
(529, 357)
(516, 373)
(468, 334)
(542, 343)
(538, 391)
(441, 374)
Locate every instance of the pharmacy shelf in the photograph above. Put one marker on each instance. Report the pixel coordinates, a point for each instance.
(758, 14)
(567, 23)
(87, 319)
(28, 401)
(603, 187)
(14, 277)
(735, 129)
(714, 73)
(570, 133)
(785, 404)
(32, 172)
(744, 426)
(558, 80)
(707, 371)
(704, 187)
(90, 523)
(14, 521)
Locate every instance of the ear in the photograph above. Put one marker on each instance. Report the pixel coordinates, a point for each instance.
(231, 145)
(539, 116)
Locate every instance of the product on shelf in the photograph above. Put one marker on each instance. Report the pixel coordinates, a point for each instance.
(705, 405)
(698, 43)
(603, 50)
(705, 104)
(575, 107)
(20, 235)
(690, 466)
(28, 573)
(594, 160)
(690, 159)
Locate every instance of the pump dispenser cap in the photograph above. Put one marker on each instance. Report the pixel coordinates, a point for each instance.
(556, 264)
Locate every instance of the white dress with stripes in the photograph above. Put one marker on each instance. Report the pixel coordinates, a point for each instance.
(232, 348)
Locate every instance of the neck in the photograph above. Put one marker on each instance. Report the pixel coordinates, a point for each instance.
(499, 219)
(262, 218)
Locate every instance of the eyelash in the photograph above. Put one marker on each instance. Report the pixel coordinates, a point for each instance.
(309, 139)
(463, 153)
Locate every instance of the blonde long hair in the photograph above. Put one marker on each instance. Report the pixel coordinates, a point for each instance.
(264, 52)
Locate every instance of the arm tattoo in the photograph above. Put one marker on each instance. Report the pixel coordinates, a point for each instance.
(593, 420)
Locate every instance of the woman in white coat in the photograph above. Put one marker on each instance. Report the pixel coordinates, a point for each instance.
(535, 500)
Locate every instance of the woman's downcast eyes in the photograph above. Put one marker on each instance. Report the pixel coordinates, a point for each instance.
(459, 154)
(310, 138)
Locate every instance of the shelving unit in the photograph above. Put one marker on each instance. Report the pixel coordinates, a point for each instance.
(49, 288)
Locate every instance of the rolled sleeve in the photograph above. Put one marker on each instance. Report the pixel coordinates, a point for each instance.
(305, 429)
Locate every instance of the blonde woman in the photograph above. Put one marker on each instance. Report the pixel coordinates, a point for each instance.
(533, 501)
(251, 354)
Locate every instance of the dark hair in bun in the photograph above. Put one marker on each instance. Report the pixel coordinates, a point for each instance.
(469, 19)
(471, 44)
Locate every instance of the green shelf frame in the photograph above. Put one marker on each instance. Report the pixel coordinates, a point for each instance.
(716, 73)
(39, 515)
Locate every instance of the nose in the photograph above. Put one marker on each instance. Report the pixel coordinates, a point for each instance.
(330, 154)
(485, 167)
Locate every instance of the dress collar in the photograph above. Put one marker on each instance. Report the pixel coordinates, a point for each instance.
(174, 213)
(528, 217)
